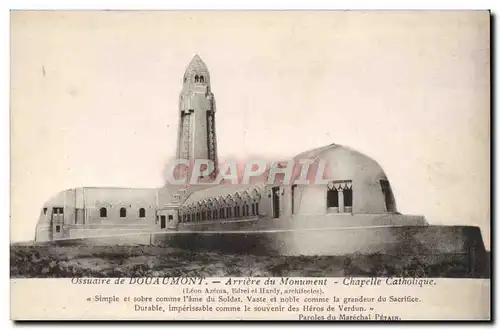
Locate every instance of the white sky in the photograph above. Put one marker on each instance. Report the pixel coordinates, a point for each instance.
(94, 99)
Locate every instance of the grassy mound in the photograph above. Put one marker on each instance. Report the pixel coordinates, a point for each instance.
(142, 261)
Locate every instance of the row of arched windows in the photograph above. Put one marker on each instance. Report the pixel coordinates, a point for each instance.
(226, 212)
(103, 212)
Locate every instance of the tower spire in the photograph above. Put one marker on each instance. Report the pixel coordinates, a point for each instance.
(197, 72)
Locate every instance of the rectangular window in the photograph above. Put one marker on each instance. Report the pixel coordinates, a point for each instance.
(44, 210)
(339, 196)
(332, 197)
(58, 229)
(347, 197)
(390, 203)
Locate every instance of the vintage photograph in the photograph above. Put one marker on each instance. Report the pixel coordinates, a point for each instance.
(247, 143)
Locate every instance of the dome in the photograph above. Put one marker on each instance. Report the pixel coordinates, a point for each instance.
(346, 168)
(343, 162)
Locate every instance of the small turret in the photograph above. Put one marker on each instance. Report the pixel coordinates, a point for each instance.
(196, 74)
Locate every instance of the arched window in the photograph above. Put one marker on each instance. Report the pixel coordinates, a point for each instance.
(142, 213)
(214, 214)
(347, 197)
(202, 79)
(332, 197)
(236, 209)
(103, 212)
(123, 212)
(196, 78)
(253, 209)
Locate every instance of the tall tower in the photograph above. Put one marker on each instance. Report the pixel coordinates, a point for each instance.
(196, 135)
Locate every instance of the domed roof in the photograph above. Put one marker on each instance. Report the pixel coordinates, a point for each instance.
(371, 188)
(342, 160)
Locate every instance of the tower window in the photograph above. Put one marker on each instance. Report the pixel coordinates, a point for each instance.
(142, 212)
(332, 197)
(44, 210)
(58, 229)
(202, 79)
(103, 212)
(123, 212)
(196, 78)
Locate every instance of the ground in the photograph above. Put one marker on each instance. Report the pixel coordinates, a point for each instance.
(142, 261)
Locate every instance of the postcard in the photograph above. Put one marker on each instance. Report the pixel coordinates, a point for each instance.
(250, 165)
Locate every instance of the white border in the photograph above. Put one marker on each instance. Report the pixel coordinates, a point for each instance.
(180, 5)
